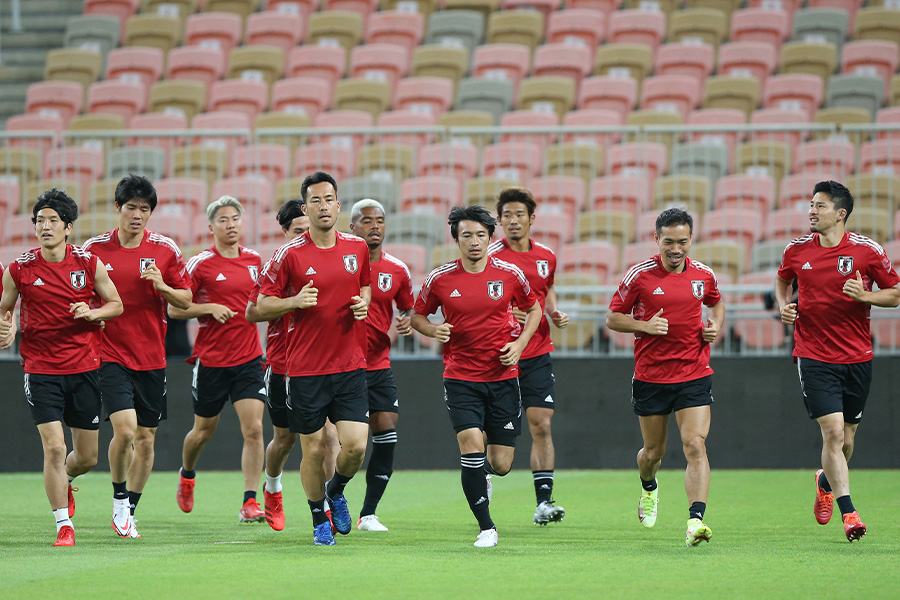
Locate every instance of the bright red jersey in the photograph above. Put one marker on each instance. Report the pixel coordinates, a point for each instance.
(832, 327)
(479, 306)
(225, 281)
(681, 354)
(276, 331)
(323, 339)
(539, 266)
(390, 284)
(54, 342)
(137, 338)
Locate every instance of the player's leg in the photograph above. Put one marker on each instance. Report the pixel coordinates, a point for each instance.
(195, 441)
(333, 448)
(383, 418)
(209, 387)
(53, 441)
(141, 465)
(474, 484)
(538, 389)
(151, 407)
(118, 395)
(693, 424)
(250, 413)
(652, 403)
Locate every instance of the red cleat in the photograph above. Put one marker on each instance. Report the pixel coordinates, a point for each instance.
(274, 509)
(251, 512)
(853, 527)
(72, 500)
(185, 493)
(824, 505)
(65, 536)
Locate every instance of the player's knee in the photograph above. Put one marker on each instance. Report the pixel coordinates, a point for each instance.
(695, 446)
(540, 428)
(833, 434)
(124, 434)
(253, 432)
(654, 453)
(355, 449)
(55, 452)
(88, 460)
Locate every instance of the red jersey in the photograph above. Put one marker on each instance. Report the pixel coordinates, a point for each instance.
(681, 354)
(137, 338)
(832, 327)
(323, 339)
(539, 266)
(391, 284)
(225, 281)
(54, 342)
(479, 306)
(276, 331)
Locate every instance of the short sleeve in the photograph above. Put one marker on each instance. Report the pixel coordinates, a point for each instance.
(273, 279)
(881, 271)
(786, 270)
(712, 295)
(404, 298)
(524, 296)
(626, 296)
(427, 302)
(176, 275)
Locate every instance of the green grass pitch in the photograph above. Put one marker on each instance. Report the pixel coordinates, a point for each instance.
(766, 543)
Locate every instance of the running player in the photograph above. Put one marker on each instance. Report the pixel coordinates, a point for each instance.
(835, 270)
(482, 346)
(227, 355)
(515, 209)
(661, 301)
(60, 346)
(149, 273)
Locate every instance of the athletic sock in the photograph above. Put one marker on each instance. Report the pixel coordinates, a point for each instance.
(133, 499)
(823, 482)
(475, 487)
(61, 515)
(273, 484)
(696, 511)
(381, 466)
(248, 495)
(120, 490)
(543, 485)
(318, 512)
(335, 485)
(489, 469)
(649, 485)
(188, 474)
(845, 504)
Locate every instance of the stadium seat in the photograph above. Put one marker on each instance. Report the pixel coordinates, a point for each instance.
(269, 129)
(760, 25)
(745, 192)
(760, 331)
(220, 30)
(608, 93)
(795, 190)
(871, 57)
(877, 23)
(358, 188)
(595, 258)
(239, 95)
(289, 189)
(780, 119)
(391, 162)
(529, 118)
(621, 60)
(709, 160)
(787, 223)
(71, 185)
(767, 255)
(157, 123)
(268, 160)
(677, 58)
(174, 8)
(553, 230)
(155, 31)
(613, 226)
(558, 195)
(874, 223)
(875, 191)
(55, 98)
(24, 164)
(406, 118)
(435, 60)
(243, 8)
(83, 165)
(337, 27)
(483, 191)
(501, 61)
(256, 63)
(815, 58)
(463, 28)
(548, 92)
(92, 32)
(396, 27)
(301, 95)
(182, 196)
(186, 97)
(94, 124)
(880, 156)
(822, 24)
(671, 93)
(693, 192)
(454, 160)
(430, 194)
(563, 59)
(855, 91)
(838, 117)
(208, 163)
(149, 162)
(432, 95)
(253, 191)
(523, 27)
(50, 124)
(121, 9)
(361, 94)
(593, 117)
(272, 28)
(576, 160)
(442, 254)
(518, 161)
(577, 26)
(602, 6)
(325, 62)
(763, 158)
(741, 93)
(747, 59)
(711, 117)
(708, 25)
(414, 256)
(73, 64)
(135, 65)
(636, 27)
(337, 160)
(467, 118)
(650, 121)
(343, 119)
(741, 225)
(380, 62)
(834, 156)
(492, 96)
(637, 159)
(10, 199)
(637, 252)
(122, 98)
(794, 92)
(196, 63)
(724, 257)
(304, 8)
(427, 230)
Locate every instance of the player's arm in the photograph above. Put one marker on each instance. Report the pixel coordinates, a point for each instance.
(423, 325)
(360, 304)
(403, 322)
(512, 351)
(272, 307)
(783, 292)
(106, 289)
(179, 298)
(253, 315)
(888, 298)
(219, 312)
(7, 305)
(559, 318)
(714, 322)
(656, 325)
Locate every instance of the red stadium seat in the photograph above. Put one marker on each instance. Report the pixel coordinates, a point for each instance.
(501, 61)
(645, 228)
(269, 160)
(717, 116)
(135, 64)
(121, 98)
(637, 159)
(381, 62)
(430, 194)
(122, 9)
(834, 156)
(760, 331)
(305, 95)
(748, 59)
(779, 116)
(619, 192)
(766, 278)
(577, 25)
(735, 224)
(603, 6)
(274, 28)
(10, 200)
(406, 118)
(760, 25)
(415, 256)
(349, 119)
(749, 192)
(545, 7)
(395, 27)
(182, 196)
(177, 227)
(788, 6)
(637, 252)
(518, 161)
(83, 164)
(196, 63)
(636, 27)
(213, 29)
(794, 91)
(225, 120)
(459, 161)
(248, 97)
(304, 8)
(595, 258)
(787, 223)
(671, 93)
(339, 161)
(889, 115)
(253, 191)
(558, 194)
(157, 123)
(881, 157)
(695, 60)
(526, 118)
(363, 7)
(323, 62)
(795, 190)
(553, 230)
(588, 117)
(63, 99)
(32, 123)
(609, 93)
(433, 95)
(562, 59)
(871, 57)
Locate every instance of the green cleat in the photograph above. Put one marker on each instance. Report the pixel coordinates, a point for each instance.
(696, 532)
(647, 507)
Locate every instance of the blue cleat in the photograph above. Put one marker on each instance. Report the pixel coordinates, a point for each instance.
(340, 514)
(322, 535)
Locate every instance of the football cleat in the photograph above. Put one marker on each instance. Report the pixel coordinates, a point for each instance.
(370, 523)
(274, 509)
(824, 505)
(340, 514)
(185, 493)
(133, 532)
(487, 538)
(853, 527)
(251, 512)
(328, 516)
(72, 500)
(696, 532)
(546, 512)
(647, 507)
(121, 517)
(65, 536)
(322, 535)
(490, 486)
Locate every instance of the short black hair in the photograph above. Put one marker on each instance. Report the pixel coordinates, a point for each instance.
(317, 177)
(515, 194)
(476, 213)
(135, 186)
(672, 217)
(59, 201)
(839, 194)
(290, 211)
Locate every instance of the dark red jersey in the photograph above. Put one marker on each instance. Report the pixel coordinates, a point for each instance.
(390, 284)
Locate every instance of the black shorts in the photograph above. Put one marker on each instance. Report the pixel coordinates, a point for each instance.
(494, 407)
(663, 398)
(830, 388)
(276, 403)
(337, 396)
(537, 383)
(143, 391)
(73, 399)
(382, 391)
(214, 386)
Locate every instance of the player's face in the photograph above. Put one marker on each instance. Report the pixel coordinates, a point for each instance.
(322, 206)
(473, 240)
(50, 229)
(370, 226)
(515, 221)
(299, 226)
(133, 215)
(674, 244)
(226, 226)
(822, 215)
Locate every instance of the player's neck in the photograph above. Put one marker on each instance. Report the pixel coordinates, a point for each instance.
(374, 254)
(520, 245)
(128, 239)
(54, 254)
(474, 266)
(832, 237)
(228, 250)
(323, 238)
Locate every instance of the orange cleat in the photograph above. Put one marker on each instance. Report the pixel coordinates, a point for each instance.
(65, 536)
(185, 493)
(274, 509)
(824, 505)
(251, 512)
(853, 527)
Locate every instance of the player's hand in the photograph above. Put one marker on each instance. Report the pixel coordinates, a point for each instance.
(510, 353)
(308, 296)
(560, 319)
(220, 313)
(359, 307)
(403, 325)
(7, 331)
(789, 313)
(657, 325)
(442, 332)
(711, 331)
(855, 288)
(152, 273)
(82, 311)
(519, 315)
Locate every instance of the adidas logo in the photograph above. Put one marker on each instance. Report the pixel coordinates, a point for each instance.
(96, 420)
(508, 426)
(109, 267)
(384, 477)
(38, 282)
(658, 292)
(397, 402)
(455, 294)
(480, 500)
(807, 267)
(310, 271)
(549, 399)
(220, 277)
(545, 487)
(316, 510)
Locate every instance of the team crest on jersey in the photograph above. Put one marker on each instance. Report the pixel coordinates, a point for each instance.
(845, 265)
(543, 267)
(495, 289)
(254, 272)
(698, 287)
(78, 279)
(146, 262)
(350, 263)
(384, 281)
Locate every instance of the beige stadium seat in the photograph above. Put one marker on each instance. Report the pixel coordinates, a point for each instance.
(442, 254)
(280, 120)
(556, 93)
(101, 195)
(485, 7)
(91, 224)
(393, 159)
(763, 158)
(877, 24)
(155, 31)
(872, 190)
(483, 191)
(577, 160)
(468, 118)
(266, 60)
(653, 117)
(726, 6)
(874, 223)
(741, 93)
(340, 26)
(200, 162)
(36, 188)
(240, 7)
(578, 335)
(624, 60)
(723, 257)
(818, 58)
(73, 64)
(708, 24)
(373, 97)
(525, 27)
(99, 123)
(187, 96)
(691, 191)
(436, 60)
(613, 226)
(424, 7)
(185, 8)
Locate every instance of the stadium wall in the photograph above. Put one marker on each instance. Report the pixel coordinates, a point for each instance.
(758, 420)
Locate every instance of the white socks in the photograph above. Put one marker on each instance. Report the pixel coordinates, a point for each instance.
(273, 484)
(61, 515)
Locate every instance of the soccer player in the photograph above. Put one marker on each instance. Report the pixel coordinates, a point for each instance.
(149, 272)
(482, 346)
(60, 346)
(227, 354)
(661, 301)
(515, 209)
(392, 286)
(835, 270)
(322, 279)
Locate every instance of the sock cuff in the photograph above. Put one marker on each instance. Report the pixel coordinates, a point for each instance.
(474, 460)
(388, 436)
(542, 474)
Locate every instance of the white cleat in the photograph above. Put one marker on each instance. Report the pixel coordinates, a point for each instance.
(370, 523)
(133, 532)
(121, 517)
(487, 539)
(490, 486)
(546, 512)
